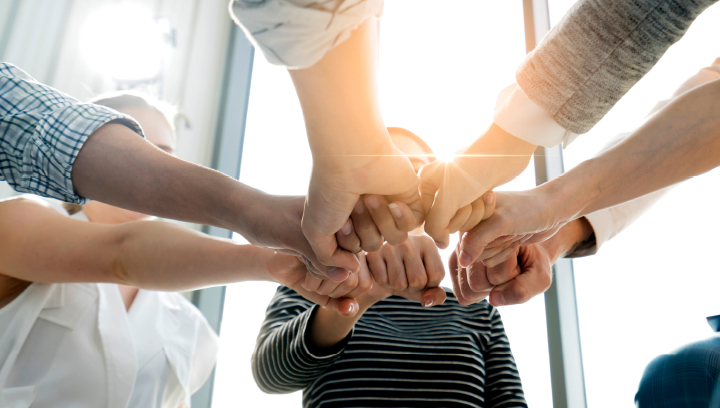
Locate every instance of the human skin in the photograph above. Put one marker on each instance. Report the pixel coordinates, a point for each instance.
(678, 142)
(328, 328)
(123, 247)
(351, 148)
(527, 273)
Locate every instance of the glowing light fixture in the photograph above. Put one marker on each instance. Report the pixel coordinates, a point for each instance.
(125, 42)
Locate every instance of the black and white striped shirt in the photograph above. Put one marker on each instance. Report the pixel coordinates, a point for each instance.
(399, 354)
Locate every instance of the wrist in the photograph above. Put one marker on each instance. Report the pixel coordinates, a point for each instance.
(568, 238)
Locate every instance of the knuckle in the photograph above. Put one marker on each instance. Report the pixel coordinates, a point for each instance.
(417, 280)
(398, 284)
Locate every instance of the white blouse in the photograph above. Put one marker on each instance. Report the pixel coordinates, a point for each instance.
(75, 345)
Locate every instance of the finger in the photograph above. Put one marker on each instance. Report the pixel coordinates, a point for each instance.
(454, 270)
(491, 250)
(415, 273)
(405, 219)
(365, 280)
(475, 241)
(476, 277)
(529, 284)
(428, 186)
(345, 286)
(463, 293)
(327, 286)
(504, 272)
(347, 238)
(342, 306)
(346, 307)
(384, 220)
(433, 297)
(433, 264)
(370, 238)
(506, 254)
(378, 269)
(460, 218)
(396, 271)
(311, 283)
(476, 215)
(470, 295)
(488, 200)
(325, 249)
(438, 211)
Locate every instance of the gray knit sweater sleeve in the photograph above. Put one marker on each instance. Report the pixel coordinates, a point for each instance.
(598, 51)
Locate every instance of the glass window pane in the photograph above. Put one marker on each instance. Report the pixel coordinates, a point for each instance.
(440, 73)
(649, 289)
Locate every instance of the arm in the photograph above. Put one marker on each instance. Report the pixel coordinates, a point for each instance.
(677, 143)
(283, 361)
(297, 344)
(412, 270)
(61, 148)
(502, 380)
(565, 87)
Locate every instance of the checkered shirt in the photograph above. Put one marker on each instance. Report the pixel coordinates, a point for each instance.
(41, 133)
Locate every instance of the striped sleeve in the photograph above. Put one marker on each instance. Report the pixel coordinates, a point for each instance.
(284, 361)
(41, 133)
(503, 388)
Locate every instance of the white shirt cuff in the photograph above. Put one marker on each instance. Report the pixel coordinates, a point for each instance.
(516, 114)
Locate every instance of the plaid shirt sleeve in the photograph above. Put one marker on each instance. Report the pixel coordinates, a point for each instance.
(41, 133)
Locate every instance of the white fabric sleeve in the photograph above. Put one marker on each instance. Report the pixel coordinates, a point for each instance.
(298, 33)
(609, 222)
(516, 114)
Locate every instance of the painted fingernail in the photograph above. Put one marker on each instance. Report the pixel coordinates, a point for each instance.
(373, 202)
(499, 299)
(395, 210)
(347, 228)
(351, 310)
(359, 207)
(464, 259)
(338, 274)
(428, 302)
(489, 198)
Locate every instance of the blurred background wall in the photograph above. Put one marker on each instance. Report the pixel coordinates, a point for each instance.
(175, 50)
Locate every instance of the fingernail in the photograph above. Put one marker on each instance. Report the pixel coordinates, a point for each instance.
(395, 210)
(373, 202)
(441, 245)
(428, 302)
(499, 299)
(489, 198)
(464, 259)
(338, 274)
(359, 207)
(351, 310)
(347, 228)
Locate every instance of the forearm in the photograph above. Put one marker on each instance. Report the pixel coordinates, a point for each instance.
(679, 142)
(339, 98)
(117, 167)
(282, 361)
(160, 256)
(327, 328)
(575, 234)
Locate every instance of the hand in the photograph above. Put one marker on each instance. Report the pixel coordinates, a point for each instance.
(290, 271)
(412, 270)
(452, 191)
(278, 226)
(391, 206)
(522, 276)
(514, 281)
(361, 232)
(524, 217)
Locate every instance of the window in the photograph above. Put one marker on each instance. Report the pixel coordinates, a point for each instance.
(649, 289)
(440, 73)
